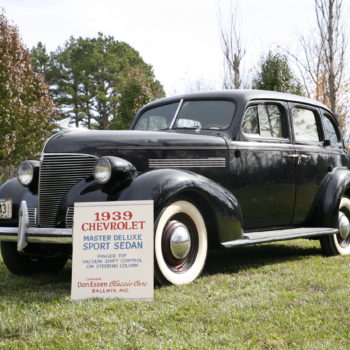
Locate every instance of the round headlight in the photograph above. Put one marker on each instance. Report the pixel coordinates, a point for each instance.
(25, 173)
(102, 171)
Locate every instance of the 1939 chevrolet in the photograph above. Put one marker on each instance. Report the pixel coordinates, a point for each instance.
(223, 169)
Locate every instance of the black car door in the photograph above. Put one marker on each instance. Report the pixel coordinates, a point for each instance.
(262, 166)
(313, 157)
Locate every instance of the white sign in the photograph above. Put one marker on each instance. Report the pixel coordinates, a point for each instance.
(113, 250)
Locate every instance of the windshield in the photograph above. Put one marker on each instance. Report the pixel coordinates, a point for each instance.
(209, 114)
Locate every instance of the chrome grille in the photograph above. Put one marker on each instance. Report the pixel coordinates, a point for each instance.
(58, 174)
(32, 217)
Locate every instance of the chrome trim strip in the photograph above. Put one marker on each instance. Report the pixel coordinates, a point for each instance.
(69, 154)
(163, 147)
(280, 235)
(46, 142)
(219, 162)
(283, 147)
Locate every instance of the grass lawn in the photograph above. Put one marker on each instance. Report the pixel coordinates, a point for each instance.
(272, 296)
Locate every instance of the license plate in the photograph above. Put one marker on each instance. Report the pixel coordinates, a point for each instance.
(5, 208)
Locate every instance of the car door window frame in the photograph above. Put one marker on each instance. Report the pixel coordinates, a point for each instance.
(284, 122)
(326, 114)
(318, 120)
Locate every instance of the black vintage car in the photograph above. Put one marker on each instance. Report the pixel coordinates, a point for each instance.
(223, 169)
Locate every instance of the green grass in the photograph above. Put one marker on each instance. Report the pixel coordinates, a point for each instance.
(271, 296)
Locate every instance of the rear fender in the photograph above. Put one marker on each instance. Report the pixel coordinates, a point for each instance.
(324, 212)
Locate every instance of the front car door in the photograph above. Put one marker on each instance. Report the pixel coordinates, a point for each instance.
(262, 166)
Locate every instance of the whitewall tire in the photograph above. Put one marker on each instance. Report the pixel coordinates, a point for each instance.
(181, 243)
(339, 244)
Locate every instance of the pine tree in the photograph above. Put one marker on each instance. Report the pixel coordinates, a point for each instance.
(276, 75)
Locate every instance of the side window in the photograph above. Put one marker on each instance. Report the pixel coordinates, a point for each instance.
(305, 124)
(250, 123)
(330, 131)
(264, 120)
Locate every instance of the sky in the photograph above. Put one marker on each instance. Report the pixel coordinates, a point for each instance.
(179, 38)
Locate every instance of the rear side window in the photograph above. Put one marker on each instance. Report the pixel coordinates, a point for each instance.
(330, 131)
(305, 124)
(264, 120)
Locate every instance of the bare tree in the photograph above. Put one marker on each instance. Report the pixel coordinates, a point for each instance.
(322, 61)
(232, 49)
(333, 41)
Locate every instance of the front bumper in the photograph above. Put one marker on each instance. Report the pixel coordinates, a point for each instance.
(23, 234)
(37, 235)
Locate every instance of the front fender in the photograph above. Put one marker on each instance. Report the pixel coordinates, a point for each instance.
(219, 207)
(12, 189)
(324, 211)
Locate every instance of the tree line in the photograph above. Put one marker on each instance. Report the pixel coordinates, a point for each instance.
(100, 83)
(97, 83)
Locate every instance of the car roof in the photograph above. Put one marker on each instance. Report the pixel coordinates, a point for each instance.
(242, 96)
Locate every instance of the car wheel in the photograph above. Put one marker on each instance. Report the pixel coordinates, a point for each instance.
(181, 243)
(21, 264)
(339, 244)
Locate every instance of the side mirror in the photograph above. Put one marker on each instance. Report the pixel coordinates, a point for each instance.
(326, 143)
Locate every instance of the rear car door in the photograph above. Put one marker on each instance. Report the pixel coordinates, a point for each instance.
(313, 161)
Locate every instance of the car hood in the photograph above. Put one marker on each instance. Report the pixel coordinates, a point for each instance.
(98, 142)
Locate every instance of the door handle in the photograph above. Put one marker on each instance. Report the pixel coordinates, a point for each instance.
(291, 156)
(298, 156)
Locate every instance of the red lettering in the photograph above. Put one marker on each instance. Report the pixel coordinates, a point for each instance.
(115, 216)
(121, 225)
(127, 215)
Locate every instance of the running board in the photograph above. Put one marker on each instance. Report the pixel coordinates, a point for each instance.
(280, 235)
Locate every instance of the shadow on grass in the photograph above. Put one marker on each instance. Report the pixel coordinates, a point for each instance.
(243, 258)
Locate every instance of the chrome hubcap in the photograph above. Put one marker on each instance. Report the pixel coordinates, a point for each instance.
(344, 226)
(180, 239)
